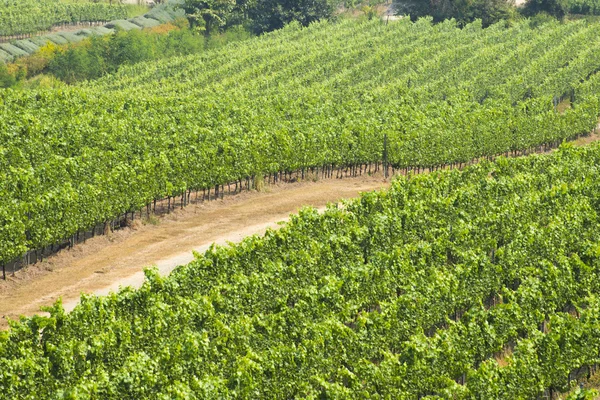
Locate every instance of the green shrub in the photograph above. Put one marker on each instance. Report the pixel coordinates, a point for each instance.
(100, 55)
(6, 78)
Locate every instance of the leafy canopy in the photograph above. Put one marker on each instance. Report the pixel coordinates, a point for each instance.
(260, 16)
(464, 11)
(207, 15)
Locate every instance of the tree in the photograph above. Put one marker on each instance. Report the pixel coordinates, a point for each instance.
(556, 8)
(207, 15)
(269, 15)
(464, 11)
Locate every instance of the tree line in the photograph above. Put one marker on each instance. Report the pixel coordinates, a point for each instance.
(492, 11)
(258, 16)
(101, 55)
(82, 155)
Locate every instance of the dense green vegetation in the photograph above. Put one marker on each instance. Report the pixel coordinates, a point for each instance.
(167, 12)
(481, 284)
(101, 55)
(492, 11)
(584, 7)
(562, 8)
(105, 55)
(30, 16)
(258, 16)
(323, 97)
(488, 11)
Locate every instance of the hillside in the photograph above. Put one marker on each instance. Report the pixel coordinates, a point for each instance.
(478, 280)
(474, 284)
(299, 99)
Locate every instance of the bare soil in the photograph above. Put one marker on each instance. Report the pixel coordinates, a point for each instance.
(591, 138)
(105, 263)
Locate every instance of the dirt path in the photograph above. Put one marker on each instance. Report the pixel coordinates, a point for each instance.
(107, 262)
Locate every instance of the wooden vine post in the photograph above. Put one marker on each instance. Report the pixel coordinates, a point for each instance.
(385, 156)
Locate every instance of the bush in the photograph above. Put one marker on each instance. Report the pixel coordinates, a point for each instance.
(269, 15)
(98, 55)
(541, 19)
(556, 8)
(463, 11)
(7, 80)
(235, 34)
